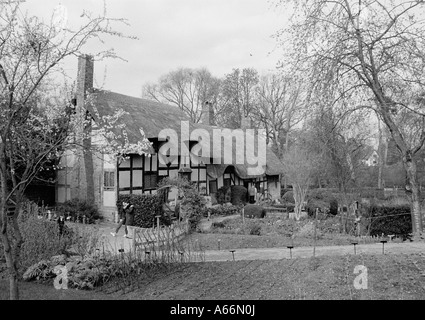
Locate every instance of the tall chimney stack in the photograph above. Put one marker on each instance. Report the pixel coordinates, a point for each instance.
(84, 77)
(206, 113)
(245, 122)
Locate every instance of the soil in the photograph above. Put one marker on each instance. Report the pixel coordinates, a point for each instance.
(389, 277)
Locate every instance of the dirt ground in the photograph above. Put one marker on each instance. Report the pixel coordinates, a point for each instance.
(389, 277)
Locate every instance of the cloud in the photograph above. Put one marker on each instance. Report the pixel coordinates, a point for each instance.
(216, 34)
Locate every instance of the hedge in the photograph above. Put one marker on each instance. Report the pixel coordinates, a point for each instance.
(239, 195)
(388, 220)
(146, 207)
(288, 197)
(254, 211)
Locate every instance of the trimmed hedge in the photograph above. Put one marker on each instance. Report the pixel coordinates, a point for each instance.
(254, 211)
(146, 207)
(239, 195)
(390, 220)
(288, 197)
(222, 210)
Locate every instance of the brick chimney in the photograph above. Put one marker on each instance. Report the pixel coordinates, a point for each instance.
(206, 116)
(84, 77)
(245, 122)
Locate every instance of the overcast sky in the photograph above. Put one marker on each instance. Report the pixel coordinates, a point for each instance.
(216, 34)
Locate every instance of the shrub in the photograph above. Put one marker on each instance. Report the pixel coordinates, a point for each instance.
(218, 225)
(146, 207)
(390, 220)
(254, 211)
(239, 195)
(224, 195)
(255, 230)
(333, 207)
(373, 194)
(284, 190)
(289, 197)
(192, 203)
(223, 210)
(325, 195)
(42, 239)
(312, 204)
(77, 209)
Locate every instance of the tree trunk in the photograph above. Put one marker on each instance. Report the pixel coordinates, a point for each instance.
(413, 191)
(412, 185)
(7, 249)
(380, 155)
(88, 163)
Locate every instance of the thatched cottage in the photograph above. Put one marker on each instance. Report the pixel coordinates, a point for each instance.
(141, 173)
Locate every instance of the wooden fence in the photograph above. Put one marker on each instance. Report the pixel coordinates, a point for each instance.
(150, 238)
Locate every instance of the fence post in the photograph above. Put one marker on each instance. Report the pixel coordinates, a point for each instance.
(157, 232)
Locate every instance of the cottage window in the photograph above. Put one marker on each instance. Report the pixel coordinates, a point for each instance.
(109, 180)
(149, 180)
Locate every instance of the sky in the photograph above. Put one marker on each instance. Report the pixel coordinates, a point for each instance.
(216, 34)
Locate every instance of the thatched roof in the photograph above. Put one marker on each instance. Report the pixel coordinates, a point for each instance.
(154, 117)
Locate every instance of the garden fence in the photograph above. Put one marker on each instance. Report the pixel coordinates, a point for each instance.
(156, 237)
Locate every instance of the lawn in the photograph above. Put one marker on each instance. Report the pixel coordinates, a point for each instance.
(389, 277)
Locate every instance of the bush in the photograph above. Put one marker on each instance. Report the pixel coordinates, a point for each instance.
(218, 225)
(239, 195)
(146, 207)
(255, 230)
(284, 190)
(254, 211)
(333, 207)
(373, 194)
(42, 239)
(77, 209)
(390, 220)
(223, 210)
(325, 195)
(192, 203)
(224, 195)
(288, 197)
(312, 204)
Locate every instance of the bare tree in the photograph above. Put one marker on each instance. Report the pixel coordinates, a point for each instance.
(373, 53)
(186, 88)
(299, 170)
(280, 107)
(239, 98)
(32, 129)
